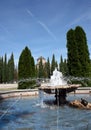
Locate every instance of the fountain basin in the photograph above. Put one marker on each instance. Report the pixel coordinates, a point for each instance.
(27, 114)
(51, 89)
(60, 91)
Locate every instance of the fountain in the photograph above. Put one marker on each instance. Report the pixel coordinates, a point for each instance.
(26, 112)
(59, 87)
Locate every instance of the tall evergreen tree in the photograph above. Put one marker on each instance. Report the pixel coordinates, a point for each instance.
(61, 69)
(24, 67)
(78, 55)
(25, 64)
(48, 68)
(11, 69)
(73, 61)
(83, 51)
(41, 69)
(63, 66)
(5, 73)
(32, 67)
(1, 69)
(53, 64)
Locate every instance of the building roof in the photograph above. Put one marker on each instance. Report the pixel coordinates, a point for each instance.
(41, 57)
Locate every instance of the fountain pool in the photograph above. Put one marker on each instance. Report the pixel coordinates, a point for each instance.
(27, 114)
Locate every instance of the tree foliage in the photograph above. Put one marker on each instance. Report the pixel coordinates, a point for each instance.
(53, 64)
(78, 54)
(63, 66)
(26, 66)
(7, 69)
(11, 69)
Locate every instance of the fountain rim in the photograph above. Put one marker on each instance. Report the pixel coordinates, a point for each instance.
(59, 86)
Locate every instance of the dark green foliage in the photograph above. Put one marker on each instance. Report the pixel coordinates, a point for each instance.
(5, 72)
(73, 60)
(26, 66)
(26, 69)
(53, 64)
(28, 84)
(7, 69)
(78, 54)
(63, 66)
(48, 69)
(11, 69)
(1, 69)
(84, 82)
(32, 67)
(41, 69)
(83, 52)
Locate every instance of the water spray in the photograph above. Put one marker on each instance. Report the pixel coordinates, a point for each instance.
(4, 114)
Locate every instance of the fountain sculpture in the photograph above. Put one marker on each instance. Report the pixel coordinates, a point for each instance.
(59, 87)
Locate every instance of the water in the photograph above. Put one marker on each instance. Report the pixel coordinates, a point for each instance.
(57, 79)
(27, 114)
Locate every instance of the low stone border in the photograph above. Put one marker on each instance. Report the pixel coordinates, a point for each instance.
(34, 92)
(17, 93)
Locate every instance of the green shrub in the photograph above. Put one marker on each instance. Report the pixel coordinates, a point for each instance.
(28, 84)
(85, 82)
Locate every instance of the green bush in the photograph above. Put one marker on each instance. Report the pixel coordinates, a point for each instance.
(28, 84)
(84, 82)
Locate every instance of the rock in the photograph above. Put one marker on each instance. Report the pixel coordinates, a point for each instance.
(79, 104)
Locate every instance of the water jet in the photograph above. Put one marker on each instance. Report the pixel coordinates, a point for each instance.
(59, 87)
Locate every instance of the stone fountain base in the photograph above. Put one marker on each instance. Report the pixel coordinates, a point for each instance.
(59, 91)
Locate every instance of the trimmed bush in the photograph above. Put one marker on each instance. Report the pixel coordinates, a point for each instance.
(28, 84)
(85, 82)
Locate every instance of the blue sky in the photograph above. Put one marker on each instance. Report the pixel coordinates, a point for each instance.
(41, 25)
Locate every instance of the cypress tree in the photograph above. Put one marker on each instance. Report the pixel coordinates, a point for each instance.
(83, 51)
(48, 68)
(5, 72)
(53, 64)
(78, 54)
(73, 61)
(41, 70)
(11, 69)
(24, 65)
(32, 67)
(61, 64)
(1, 69)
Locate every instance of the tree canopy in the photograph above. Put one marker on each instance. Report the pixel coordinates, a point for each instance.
(78, 53)
(26, 65)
